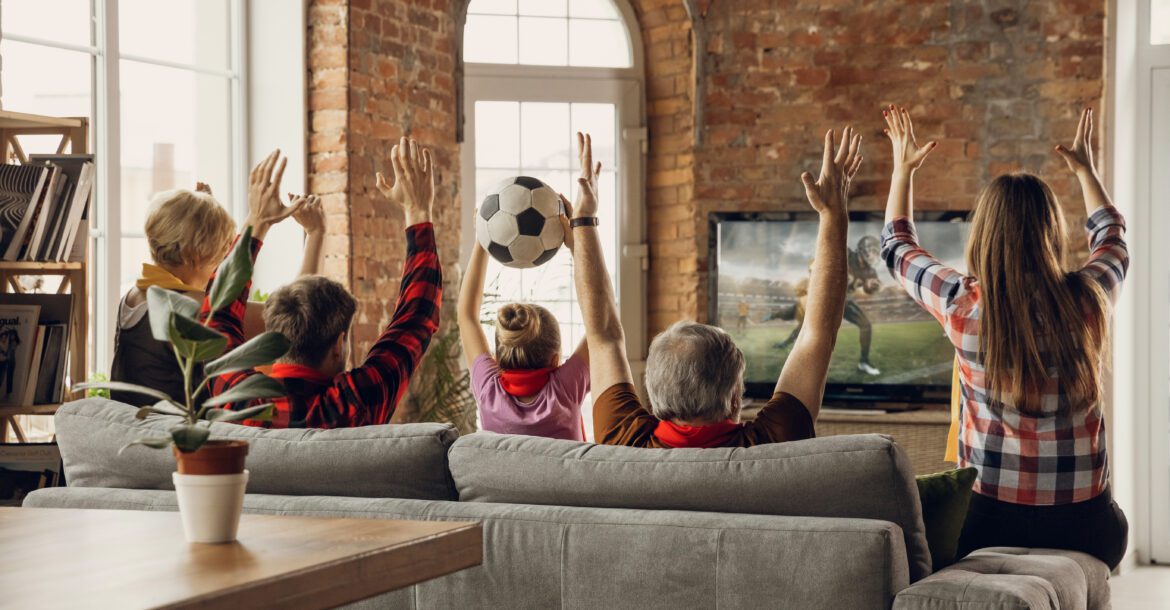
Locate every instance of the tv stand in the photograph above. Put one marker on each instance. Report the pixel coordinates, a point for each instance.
(922, 434)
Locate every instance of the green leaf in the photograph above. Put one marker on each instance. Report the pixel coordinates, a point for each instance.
(233, 274)
(189, 437)
(265, 348)
(154, 442)
(256, 386)
(194, 340)
(121, 386)
(260, 413)
(161, 303)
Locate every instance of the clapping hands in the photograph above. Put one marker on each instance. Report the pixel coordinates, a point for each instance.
(264, 205)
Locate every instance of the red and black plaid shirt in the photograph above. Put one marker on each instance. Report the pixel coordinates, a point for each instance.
(365, 395)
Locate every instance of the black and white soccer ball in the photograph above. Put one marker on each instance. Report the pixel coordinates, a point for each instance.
(519, 223)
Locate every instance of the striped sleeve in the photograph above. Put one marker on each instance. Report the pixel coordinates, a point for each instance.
(1108, 253)
(369, 393)
(931, 284)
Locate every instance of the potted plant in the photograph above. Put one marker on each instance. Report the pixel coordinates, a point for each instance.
(210, 478)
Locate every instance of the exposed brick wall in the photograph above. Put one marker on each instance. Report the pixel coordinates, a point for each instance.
(997, 83)
(379, 69)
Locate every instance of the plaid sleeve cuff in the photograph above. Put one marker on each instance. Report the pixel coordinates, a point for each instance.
(420, 238)
(1104, 216)
(901, 229)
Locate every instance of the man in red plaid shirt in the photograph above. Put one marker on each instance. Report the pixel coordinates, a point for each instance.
(315, 313)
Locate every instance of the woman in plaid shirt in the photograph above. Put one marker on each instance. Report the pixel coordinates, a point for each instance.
(1029, 337)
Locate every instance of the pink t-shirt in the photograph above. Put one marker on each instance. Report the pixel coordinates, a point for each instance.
(554, 413)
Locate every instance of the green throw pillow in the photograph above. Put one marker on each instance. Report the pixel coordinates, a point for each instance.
(945, 497)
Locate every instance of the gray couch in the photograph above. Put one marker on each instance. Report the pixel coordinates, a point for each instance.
(825, 523)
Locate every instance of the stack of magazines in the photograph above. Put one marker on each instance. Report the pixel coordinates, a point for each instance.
(44, 206)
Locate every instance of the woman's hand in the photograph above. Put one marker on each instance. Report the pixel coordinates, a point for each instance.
(310, 214)
(829, 194)
(414, 181)
(1079, 158)
(908, 155)
(587, 182)
(264, 206)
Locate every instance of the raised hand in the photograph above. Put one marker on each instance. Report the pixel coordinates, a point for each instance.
(310, 214)
(202, 187)
(908, 155)
(1079, 158)
(264, 206)
(830, 192)
(413, 188)
(587, 182)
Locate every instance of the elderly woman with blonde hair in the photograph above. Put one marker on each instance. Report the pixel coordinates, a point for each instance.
(189, 233)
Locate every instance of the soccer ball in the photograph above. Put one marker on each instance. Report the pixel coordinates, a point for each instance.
(519, 223)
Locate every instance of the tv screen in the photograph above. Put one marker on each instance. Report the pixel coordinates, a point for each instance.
(888, 348)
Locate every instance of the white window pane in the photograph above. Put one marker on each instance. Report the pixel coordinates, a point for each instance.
(489, 39)
(58, 20)
(492, 7)
(542, 41)
(598, 121)
(1159, 21)
(176, 130)
(497, 134)
(598, 43)
(593, 9)
(135, 251)
(544, 136)
(28, 87)
(196, 32)
(543, 8)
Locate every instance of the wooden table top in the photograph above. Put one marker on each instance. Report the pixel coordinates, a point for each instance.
(73, 558)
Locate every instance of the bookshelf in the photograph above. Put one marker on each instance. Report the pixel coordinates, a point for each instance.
(74, 139)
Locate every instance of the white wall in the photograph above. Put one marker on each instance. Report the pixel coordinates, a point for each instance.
(277, 115)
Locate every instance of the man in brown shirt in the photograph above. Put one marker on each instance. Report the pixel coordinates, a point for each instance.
(694, 372)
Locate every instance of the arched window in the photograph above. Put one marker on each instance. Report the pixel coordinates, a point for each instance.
(536, 72)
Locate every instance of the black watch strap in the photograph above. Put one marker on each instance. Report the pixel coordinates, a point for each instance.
(583, 221)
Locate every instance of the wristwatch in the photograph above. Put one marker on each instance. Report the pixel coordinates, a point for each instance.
(583, 221)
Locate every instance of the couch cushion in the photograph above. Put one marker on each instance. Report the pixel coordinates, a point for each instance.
(395, 461)
(945, 497)
(865, 476)
(1016, 578)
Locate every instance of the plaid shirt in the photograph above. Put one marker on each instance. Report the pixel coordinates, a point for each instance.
(1057, 457)
(365, 395)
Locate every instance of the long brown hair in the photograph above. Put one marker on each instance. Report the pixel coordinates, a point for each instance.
(527, 337)
(1035, 316)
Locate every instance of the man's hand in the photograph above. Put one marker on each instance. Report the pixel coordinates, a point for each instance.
(264, 206)
(908, 155)
(566, 214)
(587, 182)
(414, 181)
(829, 194)
(1079, 158)
(310, 214)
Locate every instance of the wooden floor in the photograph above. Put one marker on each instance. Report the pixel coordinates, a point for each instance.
(1144, 588)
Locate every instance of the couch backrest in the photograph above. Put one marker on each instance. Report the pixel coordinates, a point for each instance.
(865, 476)
(395, 461)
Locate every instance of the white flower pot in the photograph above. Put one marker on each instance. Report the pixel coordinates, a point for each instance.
(210, 505)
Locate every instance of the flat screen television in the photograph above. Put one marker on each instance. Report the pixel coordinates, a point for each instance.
(889, 350)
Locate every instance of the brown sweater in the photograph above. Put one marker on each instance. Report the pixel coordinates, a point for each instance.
(619, 419)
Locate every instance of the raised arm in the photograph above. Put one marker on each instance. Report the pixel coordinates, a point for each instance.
(470, 301)
(1109, 255)
(311, 217)
(807, 367)
(908, 157)
(606, 339)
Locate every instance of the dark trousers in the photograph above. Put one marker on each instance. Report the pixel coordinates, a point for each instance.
(1097, 527)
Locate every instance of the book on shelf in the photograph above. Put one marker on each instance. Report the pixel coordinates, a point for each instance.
(21, 188)
(46, 381)
(68, 218)
(27, 467)
(18, 332)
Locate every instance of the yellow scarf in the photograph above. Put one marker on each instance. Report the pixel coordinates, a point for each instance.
(153, 275)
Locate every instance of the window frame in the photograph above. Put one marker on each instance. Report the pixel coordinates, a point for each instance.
(623, 87)
(106, 231)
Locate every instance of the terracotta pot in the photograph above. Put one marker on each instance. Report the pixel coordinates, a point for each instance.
(214, 457)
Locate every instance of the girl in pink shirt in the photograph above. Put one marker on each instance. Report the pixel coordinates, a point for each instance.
(524, 388)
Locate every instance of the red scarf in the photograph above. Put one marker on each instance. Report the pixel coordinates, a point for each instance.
(711, 435)
(524, 382)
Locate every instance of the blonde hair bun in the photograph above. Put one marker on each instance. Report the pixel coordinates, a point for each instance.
(527, 336)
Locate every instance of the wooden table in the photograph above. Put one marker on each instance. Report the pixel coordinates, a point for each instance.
(72, 558)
